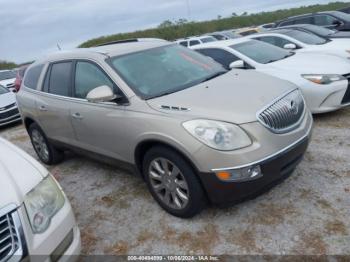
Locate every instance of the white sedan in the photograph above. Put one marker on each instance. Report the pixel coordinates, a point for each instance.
(8, 107)
(303, 42)
(7, 79)
(36, 217)
(323, 79)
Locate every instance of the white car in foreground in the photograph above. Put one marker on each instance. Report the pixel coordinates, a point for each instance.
(7, 79)
(303, 42)
(36, 217)
(323, 79)
(8, 107)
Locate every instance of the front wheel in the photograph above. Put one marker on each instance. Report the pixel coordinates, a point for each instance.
(173, 183)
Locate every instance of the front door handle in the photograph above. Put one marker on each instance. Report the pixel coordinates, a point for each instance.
(77, 116)
(42, 108)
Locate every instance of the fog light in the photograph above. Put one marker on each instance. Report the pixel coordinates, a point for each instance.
(240, 175)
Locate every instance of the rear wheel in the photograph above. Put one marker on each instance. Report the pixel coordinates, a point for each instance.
(47, 153)
(173, 183)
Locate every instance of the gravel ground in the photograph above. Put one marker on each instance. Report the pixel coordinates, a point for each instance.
(309, 213)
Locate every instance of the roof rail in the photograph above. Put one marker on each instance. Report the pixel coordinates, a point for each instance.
(120, 42)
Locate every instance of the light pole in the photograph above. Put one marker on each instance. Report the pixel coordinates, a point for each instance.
(188, 10)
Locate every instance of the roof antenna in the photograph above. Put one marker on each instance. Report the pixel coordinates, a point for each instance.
(59, 48)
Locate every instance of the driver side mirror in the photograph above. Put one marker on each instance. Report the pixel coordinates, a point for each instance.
(101, 94)
(239, 64)
(290, 46)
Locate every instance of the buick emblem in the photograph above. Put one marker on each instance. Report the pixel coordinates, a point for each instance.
(293, 107)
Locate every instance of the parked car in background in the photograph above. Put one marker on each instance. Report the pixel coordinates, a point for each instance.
(224, 35)
(246, 31)
(301, 41)
(7, 79)
(323, 79)
(19, 76)
(8, 107)
(36, 218)
(197, 40)
(266, 27)
(195, 131)
(345, 10)
(330, 19)
(319, 31)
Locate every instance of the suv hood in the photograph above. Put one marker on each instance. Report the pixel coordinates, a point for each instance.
(7, 99)
(310, 63)
(19, 174)
(234, 97)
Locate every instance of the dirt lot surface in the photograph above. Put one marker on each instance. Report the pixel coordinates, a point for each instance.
(309, 213)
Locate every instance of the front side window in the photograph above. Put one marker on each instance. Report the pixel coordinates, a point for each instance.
(7, 75)
(275, 40)
(3, 90)
(194, 42)
(219, 55)
(304, 20)
(60, 79)
(219, 37)
(290, 22)
(325, 20)
(183, 43)
(261, 52)
(307, 38)
(87, 77)
(32, 76)
(163, 70)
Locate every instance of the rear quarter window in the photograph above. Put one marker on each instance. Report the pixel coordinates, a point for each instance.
(32, 77)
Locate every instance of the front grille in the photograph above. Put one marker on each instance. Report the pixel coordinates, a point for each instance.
(346, 98)
(7, 107)
(284, 114)
(7, 114)
(9, 240)
(10, 85)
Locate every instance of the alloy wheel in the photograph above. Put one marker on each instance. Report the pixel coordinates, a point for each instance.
(40, 145)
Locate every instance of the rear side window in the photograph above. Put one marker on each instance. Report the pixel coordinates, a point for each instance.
(60, 79)
(304, 20)
(194, 42)
(223, 57)
(289, 22)
(32, 76)
(87, 77)
(184, 43)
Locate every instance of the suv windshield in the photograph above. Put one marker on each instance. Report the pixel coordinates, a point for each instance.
(261, 52)
(7, 75)
(164, 70)
(307, 38)
(3, 90)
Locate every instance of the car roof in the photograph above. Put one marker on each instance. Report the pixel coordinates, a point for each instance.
(109, 50)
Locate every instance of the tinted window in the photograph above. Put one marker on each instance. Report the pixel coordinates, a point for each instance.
(307, 38)
(249, 32)
(87, 77)
(290, 22)
(184, 43)
(163, 70)
(303, 20)
(324, 20)
(274, 40)
(221, 56)
(60, 79)
(261, 52)
(194, 42)
(208, 39)
(32, 76)
(219, 37)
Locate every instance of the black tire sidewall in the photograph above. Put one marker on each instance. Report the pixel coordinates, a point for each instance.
(197, 198)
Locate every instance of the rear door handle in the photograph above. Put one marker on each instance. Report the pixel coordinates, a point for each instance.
(42, 108)
(77, 116)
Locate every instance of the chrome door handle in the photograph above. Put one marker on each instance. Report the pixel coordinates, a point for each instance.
(77, 116)
(42, 108)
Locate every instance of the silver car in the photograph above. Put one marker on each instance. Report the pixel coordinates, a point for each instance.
(195, 132)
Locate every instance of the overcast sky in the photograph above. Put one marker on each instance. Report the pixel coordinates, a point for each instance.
(31, 28)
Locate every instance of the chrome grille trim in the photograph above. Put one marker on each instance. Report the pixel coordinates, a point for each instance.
(12, 243)
(284, 114)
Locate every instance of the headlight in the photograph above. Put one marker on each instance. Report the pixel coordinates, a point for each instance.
(218, 135)
(324, 79)
(42, 203)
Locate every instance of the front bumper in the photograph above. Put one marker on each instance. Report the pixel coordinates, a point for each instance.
(274, 170)
(9, 116)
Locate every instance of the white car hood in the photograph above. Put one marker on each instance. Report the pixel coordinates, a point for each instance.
(6, 82)
(310, 63)
(7, 99)
(19, 174)
(335, 47)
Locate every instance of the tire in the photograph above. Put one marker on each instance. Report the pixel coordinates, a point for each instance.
(46, 152)
(161, 160)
